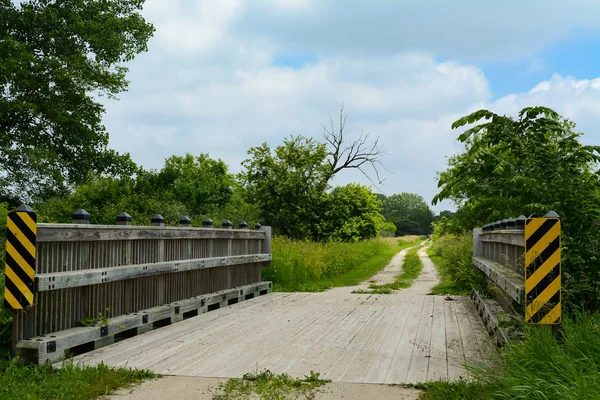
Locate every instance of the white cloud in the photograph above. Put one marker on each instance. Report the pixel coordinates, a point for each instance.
(208, 83)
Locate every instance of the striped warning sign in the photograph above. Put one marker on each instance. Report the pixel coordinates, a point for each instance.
(19, 273)
(542, 271)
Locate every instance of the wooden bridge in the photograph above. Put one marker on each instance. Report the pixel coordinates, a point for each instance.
(190, 301)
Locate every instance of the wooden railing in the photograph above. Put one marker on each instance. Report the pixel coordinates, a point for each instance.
(123, 280)
(521, 261)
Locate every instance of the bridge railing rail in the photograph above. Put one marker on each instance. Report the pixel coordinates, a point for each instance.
(97, 284)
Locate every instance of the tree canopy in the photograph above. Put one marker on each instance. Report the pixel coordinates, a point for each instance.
(58, 59)
(409, 212)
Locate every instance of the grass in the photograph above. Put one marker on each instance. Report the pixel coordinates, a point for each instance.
(411, 269)
(269, 386)
(538, 367)
(305, 266)
(447, 285)
(451, 256)
(70, 382)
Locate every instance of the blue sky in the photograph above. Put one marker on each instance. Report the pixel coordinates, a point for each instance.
(222, 76)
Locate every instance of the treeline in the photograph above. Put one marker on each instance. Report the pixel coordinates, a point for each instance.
(287, 187)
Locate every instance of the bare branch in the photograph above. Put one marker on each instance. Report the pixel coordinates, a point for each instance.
(355, 154)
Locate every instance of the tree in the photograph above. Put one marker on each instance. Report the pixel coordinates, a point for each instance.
(288, 185)
(351, 213)
(203, 185)
(58, 58)
(409, 212)
(532, 164)
(354, 154)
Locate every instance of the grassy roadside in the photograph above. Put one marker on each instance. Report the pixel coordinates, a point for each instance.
(447, 285)
(70, 382)
(451, 255)
(313, 267)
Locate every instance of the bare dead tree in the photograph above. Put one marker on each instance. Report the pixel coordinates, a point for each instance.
(361, 154)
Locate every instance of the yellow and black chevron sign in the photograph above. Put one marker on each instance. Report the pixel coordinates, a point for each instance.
(542, 271)
(21, 231)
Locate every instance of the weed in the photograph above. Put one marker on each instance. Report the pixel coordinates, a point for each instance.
(267, 385)
(99, 319)
(373, 291)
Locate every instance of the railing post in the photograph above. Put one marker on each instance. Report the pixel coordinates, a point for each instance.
(81, 217)
(477, 249)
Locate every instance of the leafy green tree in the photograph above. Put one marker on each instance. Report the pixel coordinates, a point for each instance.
(203, 185)
(58, 57)
(351, 213)
(409, 212)
(288, 185)
(531, 164)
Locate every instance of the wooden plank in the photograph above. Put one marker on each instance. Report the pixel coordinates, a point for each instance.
(364, 329)
(407, 342)
(359, 367)
(334, 343)
(380, 365)
(513, 238)
(467, 332)
(418, 367)
(87, 277)
(94, 233)
(438, 363)
(509, 281)
(454, 345)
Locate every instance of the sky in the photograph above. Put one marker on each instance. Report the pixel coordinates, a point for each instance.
(222, 76)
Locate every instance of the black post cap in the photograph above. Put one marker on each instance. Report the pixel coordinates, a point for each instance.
(185, 221)
(227, 224)
(551, 214)
(25, 208)
(157, 220)
(81, 215)
(503, 223)
(243, 225)
(497, 224)
(207, 222)
(124, 217)
(257, 226)
(511, 223)
(534, 215)
(491, 226)
(520, 222)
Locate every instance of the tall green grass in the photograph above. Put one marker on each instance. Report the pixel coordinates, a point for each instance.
(538, 367)
(313, 267)
(451, 254)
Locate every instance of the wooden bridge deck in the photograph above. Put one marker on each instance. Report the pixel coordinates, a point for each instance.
(406, 337)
